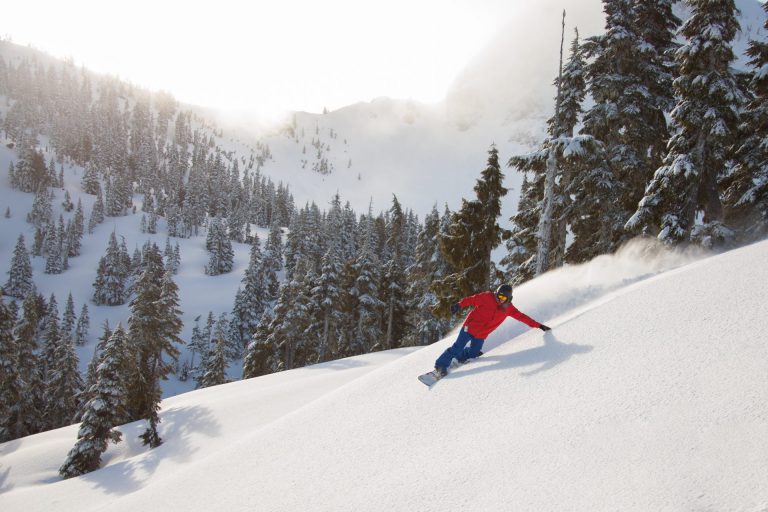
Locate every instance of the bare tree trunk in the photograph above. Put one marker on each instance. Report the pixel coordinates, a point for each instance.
(545, 219)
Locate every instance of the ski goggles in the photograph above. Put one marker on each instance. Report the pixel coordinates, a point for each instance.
(502, 297)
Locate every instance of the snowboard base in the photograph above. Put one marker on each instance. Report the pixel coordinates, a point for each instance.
(429, 378)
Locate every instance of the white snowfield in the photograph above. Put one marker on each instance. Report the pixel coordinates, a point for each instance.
(648, 396)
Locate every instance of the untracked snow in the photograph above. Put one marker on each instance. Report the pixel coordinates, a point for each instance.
(650, 393)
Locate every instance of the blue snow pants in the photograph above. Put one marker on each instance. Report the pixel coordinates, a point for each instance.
(460, 350)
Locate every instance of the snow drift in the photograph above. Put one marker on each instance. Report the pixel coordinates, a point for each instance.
(651, 396)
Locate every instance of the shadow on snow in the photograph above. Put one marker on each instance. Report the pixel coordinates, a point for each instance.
(553, 353)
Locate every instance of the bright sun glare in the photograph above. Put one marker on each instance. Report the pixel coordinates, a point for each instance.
(266, 56)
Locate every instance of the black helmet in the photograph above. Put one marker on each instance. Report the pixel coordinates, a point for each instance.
(504, 293)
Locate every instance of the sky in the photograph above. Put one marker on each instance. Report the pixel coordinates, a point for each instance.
(266, 55)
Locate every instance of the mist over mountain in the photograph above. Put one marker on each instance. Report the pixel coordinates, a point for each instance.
(504, 95)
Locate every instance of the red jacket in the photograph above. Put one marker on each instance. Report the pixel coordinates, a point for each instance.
(489, 314)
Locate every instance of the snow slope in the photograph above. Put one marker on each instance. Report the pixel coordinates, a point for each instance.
(650, 393)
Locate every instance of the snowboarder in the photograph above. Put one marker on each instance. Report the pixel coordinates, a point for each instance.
(490, 311)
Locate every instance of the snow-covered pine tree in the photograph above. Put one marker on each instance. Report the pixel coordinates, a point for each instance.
(288, 327)
(364, 303)
(220, 247)
(324, 304)
(194, 343)
(75, 231)
(19, 282)
(104, 411)
(51, 337)
(69, 318)
(54, 262)
(629, 79)
(393, 288)
(259, 353)
(90, 180)
(215, 370)
(746, 195)
(97, 213)
(153, 328)
(25, 417)
(42, 210)
(63, 382)
(273, 261)
(305, 238)
(251, 299)
(176, 258)
(424, 328)
(683, 200)
(30, 173)
(82, 327)
(473, 235)
(93, 365)
(11, 385)
(110, 284)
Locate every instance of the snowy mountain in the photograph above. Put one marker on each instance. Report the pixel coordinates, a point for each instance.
(394, 146)
(650, 393)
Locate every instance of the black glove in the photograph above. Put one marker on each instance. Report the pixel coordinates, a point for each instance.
(455, 308)
(544, 328)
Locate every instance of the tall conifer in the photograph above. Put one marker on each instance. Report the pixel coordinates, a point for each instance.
(473, 234)
(683, 200)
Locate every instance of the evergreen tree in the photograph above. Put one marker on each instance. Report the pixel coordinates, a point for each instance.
(325, 301)
(746, 194)
(251, 298)
(288, 328)
(25, 416)
(54, 261)
(97, 213)
(215, 370)
(82, 326)
(394, 285)
(51, 337)
(424, 327)
(629, 81)
(30, 173)
(473, 235)
(19, 282)
(273, 261)
(90, 380)
(259, 353)
(69, 319)
(42, 210)
(153, 329)
(199, 344)
(704, 126)
(104, 411)
(75, 231)
(364, 294)
(90, 181)
(110, 284)
(220, 247)
(11, 384)
(63, 381)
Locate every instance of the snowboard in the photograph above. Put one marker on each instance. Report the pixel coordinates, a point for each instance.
(429, 378)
